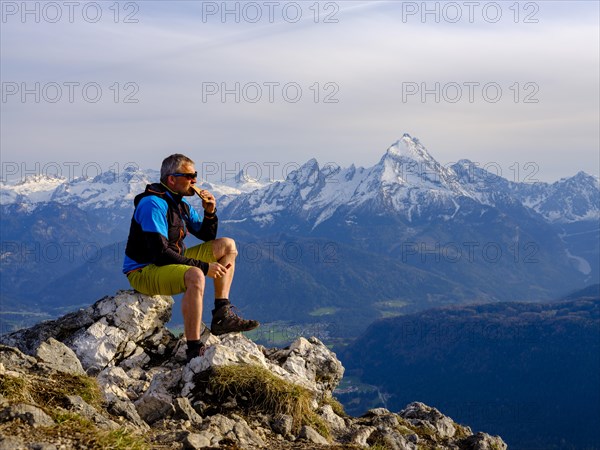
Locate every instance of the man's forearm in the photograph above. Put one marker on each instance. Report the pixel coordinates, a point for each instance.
(208, 230)
(163, 255)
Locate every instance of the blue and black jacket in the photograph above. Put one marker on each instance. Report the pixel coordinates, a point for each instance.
(160, 222)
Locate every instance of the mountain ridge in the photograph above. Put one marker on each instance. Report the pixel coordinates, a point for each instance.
(405, 220)
(405, 167)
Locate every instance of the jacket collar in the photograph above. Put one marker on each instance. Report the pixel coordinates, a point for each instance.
(163, 190)
(174, 195)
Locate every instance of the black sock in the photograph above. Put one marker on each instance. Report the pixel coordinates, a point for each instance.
(220, 302)
(193, 348)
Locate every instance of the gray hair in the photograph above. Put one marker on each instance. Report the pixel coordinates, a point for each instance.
(171, 164)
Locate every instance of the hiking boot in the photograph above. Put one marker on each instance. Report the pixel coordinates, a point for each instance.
(194, 353)
(226, 320)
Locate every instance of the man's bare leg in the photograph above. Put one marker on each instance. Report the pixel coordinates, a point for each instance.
(224, 319)
(225, 251)
(191, 304)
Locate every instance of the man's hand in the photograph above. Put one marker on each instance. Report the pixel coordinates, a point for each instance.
(208, 200)
(216, 270)
(209, 203)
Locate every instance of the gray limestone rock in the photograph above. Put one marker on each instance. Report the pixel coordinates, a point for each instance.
(311, 435)
(308, 363)
(483, 441)
(13, 360)
(282, 424)
(377, 412)
(28, 340)
(382, 418)
(155, 406)
(310, 360)
(136, 359)
(32, 415)
(185, 411)
(420, 414)
(42, 446)
(11, 443)
(336, 423)
(196, 441)
(126, 409)
(392, 439)
(77, 405)
(59, 357)
(244, 435)
(359, 435)
(100, 334)
(116, 384)
(219, 427)
(157, 401)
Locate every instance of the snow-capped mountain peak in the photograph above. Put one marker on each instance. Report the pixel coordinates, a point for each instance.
(406, 178)
(308, 173)
(39, 180)
(570, 199)
(243, 182)
(409, 148)
(407, 162)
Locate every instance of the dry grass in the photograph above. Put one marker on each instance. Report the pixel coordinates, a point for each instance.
(266, 393)
(336, 406)
(88, 436)
(13, 389)
(50, 393)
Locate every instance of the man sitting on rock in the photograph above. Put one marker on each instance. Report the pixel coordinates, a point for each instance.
(157, 261)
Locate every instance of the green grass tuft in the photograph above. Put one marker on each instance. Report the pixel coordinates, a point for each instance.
(85, 432)
(267, 392)
(336, 406)
(317, 423)
(13, 388)
(50, 391)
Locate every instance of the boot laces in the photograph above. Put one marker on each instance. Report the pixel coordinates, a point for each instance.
(233, 312)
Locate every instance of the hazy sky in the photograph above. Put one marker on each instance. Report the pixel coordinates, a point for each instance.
(90, 86)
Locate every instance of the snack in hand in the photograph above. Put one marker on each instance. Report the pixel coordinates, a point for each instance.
(200, 193)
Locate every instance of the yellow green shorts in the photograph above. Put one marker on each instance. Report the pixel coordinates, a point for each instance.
(169, 279)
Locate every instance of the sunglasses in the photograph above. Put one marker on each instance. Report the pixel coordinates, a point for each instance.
(189, 176)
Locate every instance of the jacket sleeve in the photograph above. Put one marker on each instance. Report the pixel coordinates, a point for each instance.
(157, 246)
(208, 229)
(151, 214)
(205, 229)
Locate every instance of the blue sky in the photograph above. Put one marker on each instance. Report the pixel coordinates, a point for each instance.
(509, 85)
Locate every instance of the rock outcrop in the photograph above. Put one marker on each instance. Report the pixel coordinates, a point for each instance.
(238, 394)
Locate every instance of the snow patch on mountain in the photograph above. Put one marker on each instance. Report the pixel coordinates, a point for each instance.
(341, 188)
(108, 190)
(33, 189)
(568, 200)
(580, 263)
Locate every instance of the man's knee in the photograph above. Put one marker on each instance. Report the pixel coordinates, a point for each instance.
(225, 246)
(194, 278)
